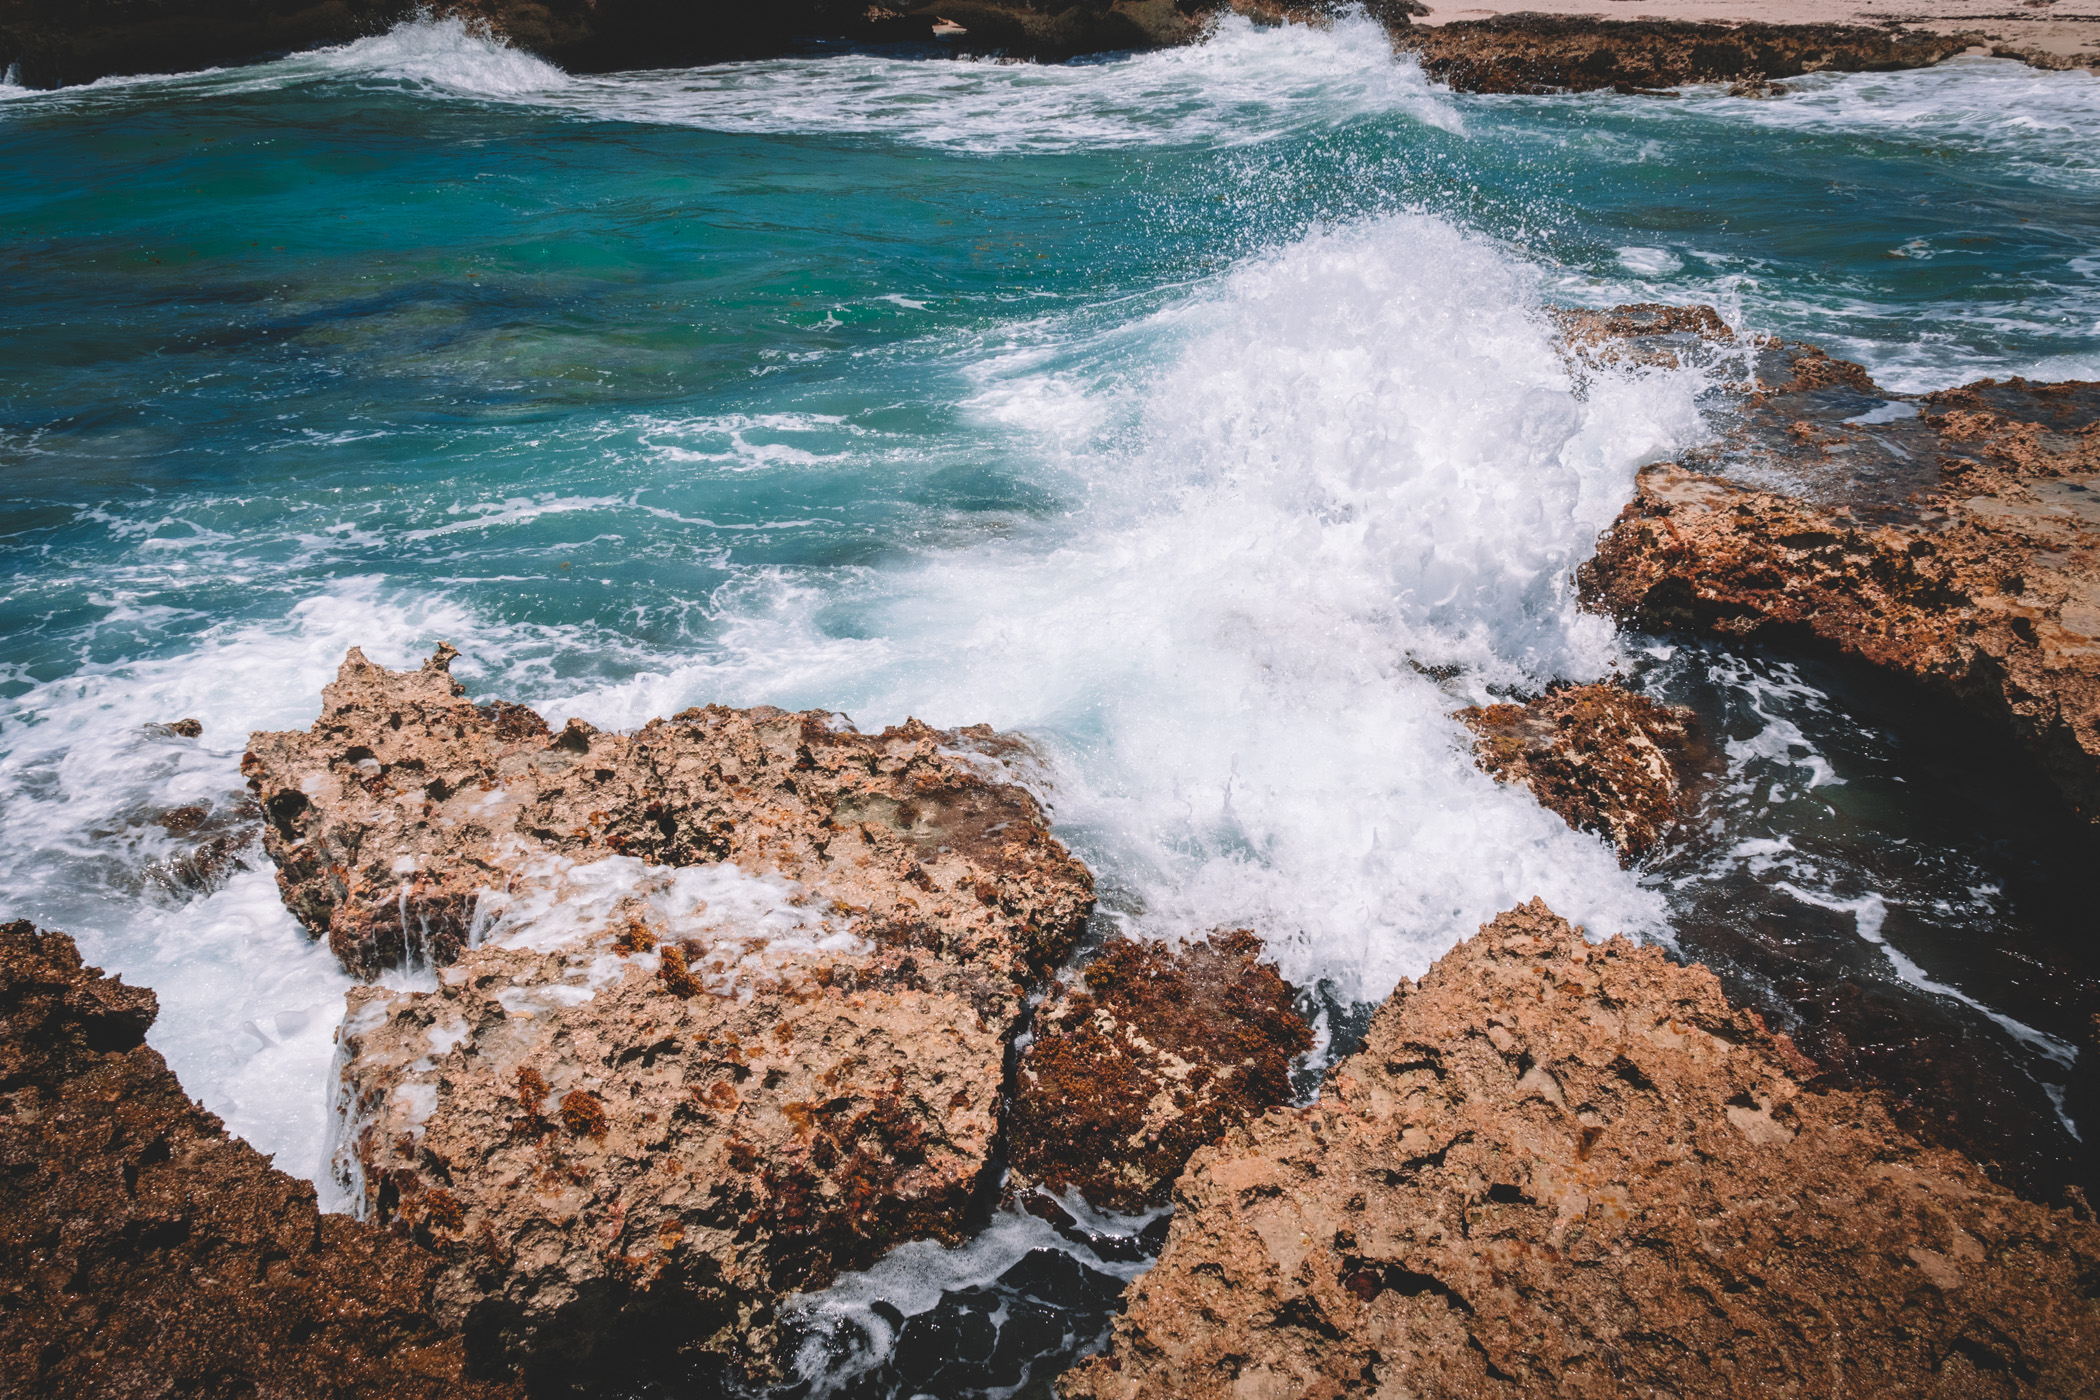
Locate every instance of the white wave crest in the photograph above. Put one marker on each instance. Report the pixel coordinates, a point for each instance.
(1243, 84)
(1352, 457)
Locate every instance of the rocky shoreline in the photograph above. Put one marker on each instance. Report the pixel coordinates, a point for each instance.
(662, 1028)
(51, 43)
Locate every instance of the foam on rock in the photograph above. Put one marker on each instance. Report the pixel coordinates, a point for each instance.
(721, 1007)
(406, 801)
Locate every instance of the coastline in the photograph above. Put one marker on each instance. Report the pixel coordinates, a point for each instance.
(46, 43)
(2058, 34)
(678, 1035)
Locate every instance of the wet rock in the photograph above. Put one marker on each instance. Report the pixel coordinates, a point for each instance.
(144, 1252)
(209, 842)
(56, 42)
(1534, 53)
(179, 729)
(405, 801)
(724, 1005)
(1951, 538)
(1155, 1051)
(1565, 1168)
(599, 1153)
(1051, 32)
(1606, 759)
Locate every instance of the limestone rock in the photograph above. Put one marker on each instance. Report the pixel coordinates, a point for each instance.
(587, 1137)
(1953, 539)
(143, 1252)
(722, 1007)
(1536, 53)
(1604, 758)
(405, 800)
(1153, 1053)
(1559, 1168)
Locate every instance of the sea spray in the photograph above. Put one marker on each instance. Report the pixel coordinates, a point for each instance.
(1345, 465)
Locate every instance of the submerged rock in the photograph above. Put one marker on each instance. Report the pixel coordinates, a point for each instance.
(1155, 1051)
(144, 1252)
(1535, 53)
(1565, 1168)
(724, 1005)
(1951, 538)
(1606, 759)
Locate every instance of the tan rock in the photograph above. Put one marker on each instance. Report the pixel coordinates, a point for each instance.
(721, 1007)
(1959, 547)
(1559, 1168)
(405, 801)
(144, 1252)
(1604, 758)
(1537, 53)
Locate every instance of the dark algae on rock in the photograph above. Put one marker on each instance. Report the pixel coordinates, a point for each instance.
(1154, 1052)
(1570, 1169)
(143, 1252)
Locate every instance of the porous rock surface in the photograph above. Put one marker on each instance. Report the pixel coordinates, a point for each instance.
(1952, 538)
(736, 1012)
(1572, 1169)
(1155, 1050)
(405, 800)
(1605, 758)
(143, 1252)
(1536, 53)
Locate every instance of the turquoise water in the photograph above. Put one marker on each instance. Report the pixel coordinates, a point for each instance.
(1173, 409)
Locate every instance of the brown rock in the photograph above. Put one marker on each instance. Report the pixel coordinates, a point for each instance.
(1959, 548)
(1607, 760)
(577, 1152)
(143, 1252)
(405, 800)
(1155, 1052)
(1534, 53)
(738, 1015)
(60, 41)
(1559, 1168)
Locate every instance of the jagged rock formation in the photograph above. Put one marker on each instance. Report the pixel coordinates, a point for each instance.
(405, 800)
(724, 1007)
(1534, 53)
(1559, 1168)
(1155, 1051)
(144, 1252)
(1606, 759)
(1952, 538)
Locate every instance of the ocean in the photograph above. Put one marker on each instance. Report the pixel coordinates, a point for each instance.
(1193, 413)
